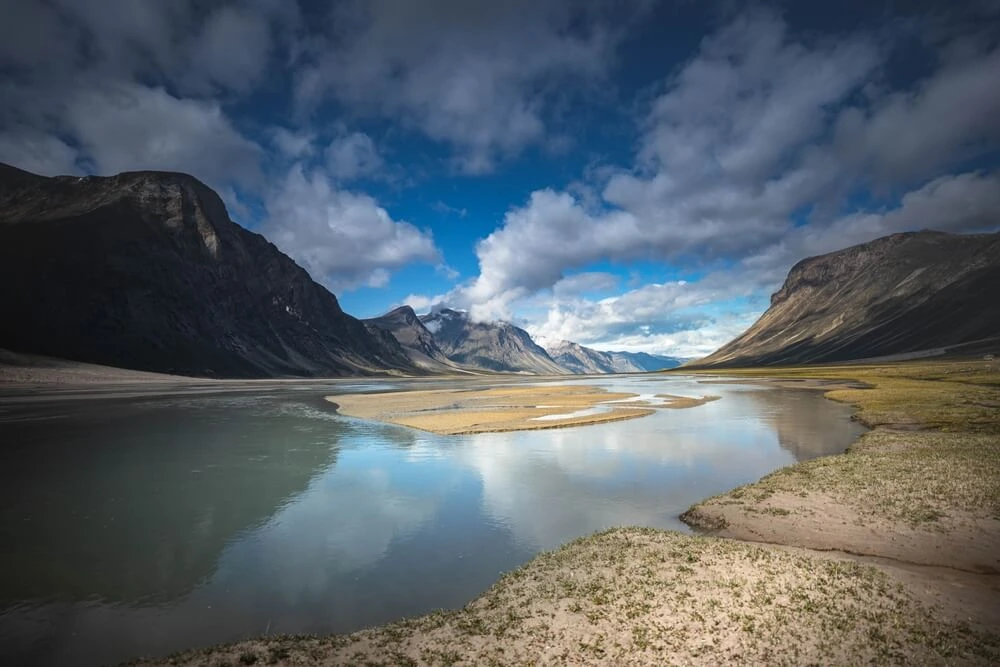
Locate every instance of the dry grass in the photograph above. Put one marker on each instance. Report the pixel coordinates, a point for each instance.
(641, 597)
(923, 486)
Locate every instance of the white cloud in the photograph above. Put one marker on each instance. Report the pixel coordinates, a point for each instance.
(478, 76)
(353, 156)
(580, 283)
(343, 239)
(291, 144)
(233, 48)
(37, 152)
(912, 134)
(758, 125)
(127, 127)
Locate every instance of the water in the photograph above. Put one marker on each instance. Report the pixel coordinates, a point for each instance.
(143, 525)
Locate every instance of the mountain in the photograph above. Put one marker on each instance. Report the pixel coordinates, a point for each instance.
(899, 294)
(579, 359)
(645, 362)
(416, 340)
(493, 346)
(145, 270)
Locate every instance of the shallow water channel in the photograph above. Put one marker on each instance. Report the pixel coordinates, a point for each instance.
(142, 525)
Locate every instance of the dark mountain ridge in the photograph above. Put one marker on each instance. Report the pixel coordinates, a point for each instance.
(145, 270)
(904, 293)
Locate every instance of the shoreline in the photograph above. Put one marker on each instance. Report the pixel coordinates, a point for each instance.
(647, 596)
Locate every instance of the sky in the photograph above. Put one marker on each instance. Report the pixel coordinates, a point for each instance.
(627, 174)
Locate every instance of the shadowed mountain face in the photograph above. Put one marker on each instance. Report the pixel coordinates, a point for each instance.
(494, 346)
(145, 270)
(898, 294)
(416, 340)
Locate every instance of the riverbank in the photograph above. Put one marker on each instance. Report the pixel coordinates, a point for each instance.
(926, 474)
(923, 486)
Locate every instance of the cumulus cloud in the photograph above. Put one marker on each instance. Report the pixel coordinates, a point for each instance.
(477, 76)
(353, 156)
(343, 239)
(912, 134)
(293, 144)
(37, 152)
(757, 127)
(130, 126)
(133, 85)
(233, 48)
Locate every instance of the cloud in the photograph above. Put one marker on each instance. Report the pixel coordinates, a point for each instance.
(105, 86)
(580, 283)
(126, 127)
(476, 76)
(759, 126)
(444, 209)
(233, 48)
(343, 239)
(37, 152)
(291, 144)
(912, 134)
(655, 318)
(353, 156)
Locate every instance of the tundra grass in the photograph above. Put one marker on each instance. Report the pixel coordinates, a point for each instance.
(933, 453)
(638, 596)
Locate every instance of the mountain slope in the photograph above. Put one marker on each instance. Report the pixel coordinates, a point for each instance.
(643, 361)
(493, 346)
(145, 270)
(416, 340)
(579, 359)
(897, 294)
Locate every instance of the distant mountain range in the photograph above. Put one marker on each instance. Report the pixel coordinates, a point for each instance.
(579, 359)
(905, 294)
(447, 340)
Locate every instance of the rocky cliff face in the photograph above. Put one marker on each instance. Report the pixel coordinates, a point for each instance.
(419, 343)
(899, 294)
(145, 270)
(493, 346)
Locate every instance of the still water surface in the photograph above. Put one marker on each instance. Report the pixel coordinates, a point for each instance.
(145, 525)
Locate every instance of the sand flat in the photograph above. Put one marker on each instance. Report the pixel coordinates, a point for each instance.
(458, 411)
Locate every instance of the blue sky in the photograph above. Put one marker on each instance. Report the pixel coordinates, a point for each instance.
(627, 174)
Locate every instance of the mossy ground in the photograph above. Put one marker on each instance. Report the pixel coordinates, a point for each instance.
(933, 453)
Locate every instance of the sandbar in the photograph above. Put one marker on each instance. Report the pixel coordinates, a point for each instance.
(497, 409)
